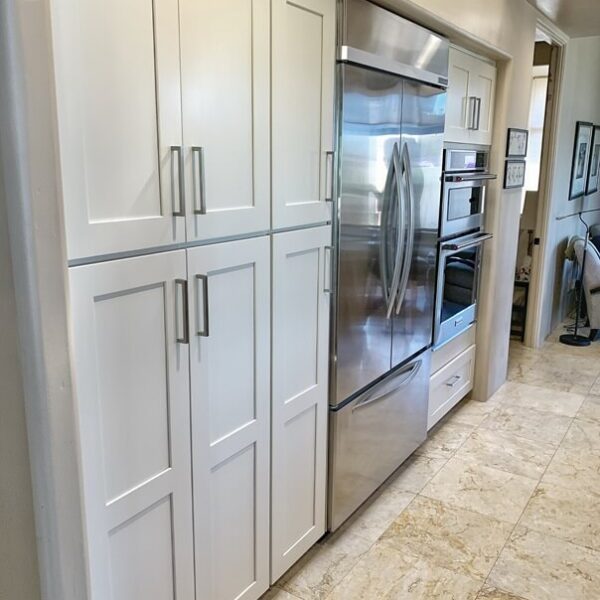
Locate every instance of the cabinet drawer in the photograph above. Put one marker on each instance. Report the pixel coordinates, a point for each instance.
(450, 385)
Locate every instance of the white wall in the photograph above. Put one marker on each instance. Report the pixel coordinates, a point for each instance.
(19, 579)
(580, 102)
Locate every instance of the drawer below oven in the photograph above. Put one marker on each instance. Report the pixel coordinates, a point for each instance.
(450, 385)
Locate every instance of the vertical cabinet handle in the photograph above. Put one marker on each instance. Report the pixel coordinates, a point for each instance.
(185, 337)
(328, 270)
(179, 180)
(199, 189)
(204, 332)
(329, 177)
(472, 113)
(477, 126)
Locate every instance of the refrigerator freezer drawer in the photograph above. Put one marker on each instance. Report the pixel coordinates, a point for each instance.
(372, 436)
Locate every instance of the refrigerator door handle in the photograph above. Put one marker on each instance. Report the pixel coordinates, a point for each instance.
(401, 232)
(410, 242)
(407, 377)
(383, 243)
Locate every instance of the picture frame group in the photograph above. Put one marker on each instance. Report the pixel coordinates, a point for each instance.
(517, 142)
(585, 169)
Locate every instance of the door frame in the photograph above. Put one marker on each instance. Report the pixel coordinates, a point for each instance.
(540, 271)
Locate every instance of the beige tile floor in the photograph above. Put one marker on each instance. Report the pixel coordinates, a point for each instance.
(501, 503)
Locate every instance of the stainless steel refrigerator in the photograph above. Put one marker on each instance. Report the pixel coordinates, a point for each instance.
(392, 76)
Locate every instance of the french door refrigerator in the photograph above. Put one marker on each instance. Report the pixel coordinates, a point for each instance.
(392, 76)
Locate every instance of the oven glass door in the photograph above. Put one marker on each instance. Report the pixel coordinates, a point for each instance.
(463, 208)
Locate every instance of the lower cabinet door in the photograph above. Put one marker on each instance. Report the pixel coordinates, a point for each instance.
(230, 381)
(132, 391)
(301, 280)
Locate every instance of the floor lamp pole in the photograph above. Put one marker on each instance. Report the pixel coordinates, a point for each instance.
(574, 339)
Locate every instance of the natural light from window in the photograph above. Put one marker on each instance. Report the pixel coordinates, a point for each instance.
(537, 113)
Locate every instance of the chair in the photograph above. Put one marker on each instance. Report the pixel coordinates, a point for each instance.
(591, 282)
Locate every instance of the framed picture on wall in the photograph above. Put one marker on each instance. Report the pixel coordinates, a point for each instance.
(514, 174)
(594, 167)
(581, 159)
(516, 144)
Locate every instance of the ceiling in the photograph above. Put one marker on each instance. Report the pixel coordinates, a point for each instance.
(577, 18)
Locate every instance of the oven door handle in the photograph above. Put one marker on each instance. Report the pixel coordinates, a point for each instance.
(401, 233)
(410, 242)
(484, 178)
(458, 246)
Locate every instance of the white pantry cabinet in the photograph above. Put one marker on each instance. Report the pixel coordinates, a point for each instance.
(303, 64)
(470, 103)
(229, 287)
(132, 387)
(301, 282)
(225, 84)
(119, 123)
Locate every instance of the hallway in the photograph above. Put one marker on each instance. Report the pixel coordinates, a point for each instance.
(501, 503)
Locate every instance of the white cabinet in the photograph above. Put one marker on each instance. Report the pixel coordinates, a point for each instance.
(132, 389)
(225, 86)
(229, 287)
(470, 103)
(301, 279)
(303, 61)
(119, 123)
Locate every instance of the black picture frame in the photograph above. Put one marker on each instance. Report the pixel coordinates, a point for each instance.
(512, 139)
(509, 174)
(581, 159)
(592, 183)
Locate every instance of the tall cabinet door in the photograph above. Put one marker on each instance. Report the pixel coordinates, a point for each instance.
(303, 61)
(230, 381)
(132, 390)
(119, 121)
(301, 279)
(225, 79)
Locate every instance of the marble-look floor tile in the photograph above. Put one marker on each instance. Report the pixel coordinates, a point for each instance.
(540, 567)
(539, 398)
(472, 412)
(415, 473)
(371, 520)
(576, 469)
(444, 440)
(507, 452)
(490, 593)
(590, 409)
(450, 537)
(491, 492)
(536, 425)
(324, 566)
(276, 593)
(595, 389)
(583, 435)
(557, 511)
(384, 573)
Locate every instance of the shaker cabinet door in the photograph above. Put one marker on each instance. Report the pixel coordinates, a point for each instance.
(225, 92)
(301, 279)
(131, 378)
(303, 61)
(458, 105)
(483, 86)
(119, 123)
(230, 383)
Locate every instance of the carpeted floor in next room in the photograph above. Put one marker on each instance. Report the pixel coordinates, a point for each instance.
(501, 503)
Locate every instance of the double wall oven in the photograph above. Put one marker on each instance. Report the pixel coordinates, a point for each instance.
(464, 186)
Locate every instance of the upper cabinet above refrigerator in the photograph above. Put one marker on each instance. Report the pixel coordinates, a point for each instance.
(470, 106)
(303, 63)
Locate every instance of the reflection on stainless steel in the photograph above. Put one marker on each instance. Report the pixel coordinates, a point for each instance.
(389, 160)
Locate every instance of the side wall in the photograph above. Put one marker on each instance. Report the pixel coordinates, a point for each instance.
(580, 102)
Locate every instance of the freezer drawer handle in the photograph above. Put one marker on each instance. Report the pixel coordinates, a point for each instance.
(185, 337)
(199, 208)
(204, 332)
(408, 376)
(329, 176)
(453, 381)
(176, 150)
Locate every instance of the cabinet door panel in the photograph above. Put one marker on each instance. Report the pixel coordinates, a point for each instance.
(132, 382)
(230, 381)
(457, 104)
(483, 85)
(303, 55)
(225, 79)
(300, 375)
(119, 114)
